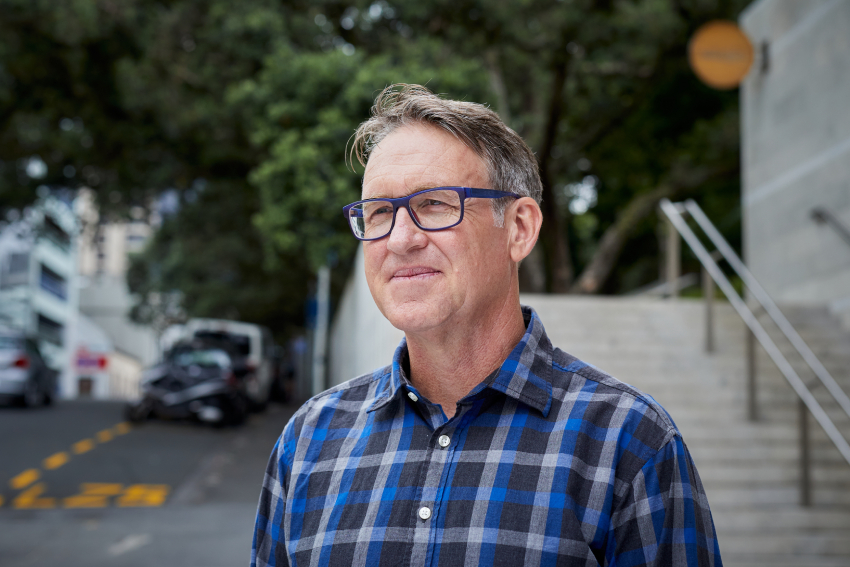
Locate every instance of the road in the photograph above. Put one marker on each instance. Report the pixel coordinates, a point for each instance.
(81, 487)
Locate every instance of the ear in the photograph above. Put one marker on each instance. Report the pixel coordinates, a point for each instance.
(523, 220)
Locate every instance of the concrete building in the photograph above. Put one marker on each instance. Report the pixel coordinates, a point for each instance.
(795, 130)
(104, 247)
(38, 287)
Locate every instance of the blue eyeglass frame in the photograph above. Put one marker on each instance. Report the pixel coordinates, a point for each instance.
(404, 202)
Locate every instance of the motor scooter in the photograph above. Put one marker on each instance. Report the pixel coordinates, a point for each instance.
(194, 382)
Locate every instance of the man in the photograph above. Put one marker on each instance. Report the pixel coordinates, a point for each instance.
(481, 444)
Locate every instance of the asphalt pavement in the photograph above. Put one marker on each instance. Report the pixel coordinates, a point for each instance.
(81, 487)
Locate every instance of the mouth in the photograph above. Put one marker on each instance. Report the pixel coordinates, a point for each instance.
(416, 273)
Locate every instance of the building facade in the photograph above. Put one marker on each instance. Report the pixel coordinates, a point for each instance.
(795, 132)
(104, 250)
(38, 285)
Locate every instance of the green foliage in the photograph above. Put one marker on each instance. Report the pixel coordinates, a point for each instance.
(210, 253)
(256, 102)
(301, 111)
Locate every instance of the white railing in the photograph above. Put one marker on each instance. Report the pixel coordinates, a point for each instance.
(675, 214)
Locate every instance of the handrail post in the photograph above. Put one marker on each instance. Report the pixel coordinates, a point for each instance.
(752, 406)
(673, 265)
(708, 294)
(805, 457)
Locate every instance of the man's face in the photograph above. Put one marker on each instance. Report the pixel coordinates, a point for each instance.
(432, 281)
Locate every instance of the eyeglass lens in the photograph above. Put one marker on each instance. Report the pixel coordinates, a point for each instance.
(431, 210)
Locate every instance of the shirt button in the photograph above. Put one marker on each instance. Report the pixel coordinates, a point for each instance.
(413, 396)
(424, 512)
(444, 441)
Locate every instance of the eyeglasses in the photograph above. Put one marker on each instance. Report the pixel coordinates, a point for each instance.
(432, 209)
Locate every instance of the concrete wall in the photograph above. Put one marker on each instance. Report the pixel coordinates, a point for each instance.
(795, 116)
(361, 338)
(107, 302)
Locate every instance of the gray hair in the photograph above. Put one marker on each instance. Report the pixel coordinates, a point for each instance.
(510, 163)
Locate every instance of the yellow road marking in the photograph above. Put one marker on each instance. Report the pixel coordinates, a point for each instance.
(29, 498)
(93, 495)
(24, 479)
(55, 461)
(83, 446)
(144, 495)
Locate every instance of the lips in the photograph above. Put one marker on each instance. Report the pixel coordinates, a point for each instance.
(418, 271)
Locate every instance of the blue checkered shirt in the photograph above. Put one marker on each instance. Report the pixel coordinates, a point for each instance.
(547, 462)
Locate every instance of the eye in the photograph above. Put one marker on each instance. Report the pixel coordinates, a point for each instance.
(377, 212)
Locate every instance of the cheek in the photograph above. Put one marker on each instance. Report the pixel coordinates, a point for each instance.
(372, 260)
(490, 261)
(475, 264)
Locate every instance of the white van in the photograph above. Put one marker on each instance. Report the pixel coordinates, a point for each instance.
(253, 342)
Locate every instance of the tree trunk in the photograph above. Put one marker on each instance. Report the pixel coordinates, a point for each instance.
(615, 237)
(497, 83)
(532, 272)
(553, 232)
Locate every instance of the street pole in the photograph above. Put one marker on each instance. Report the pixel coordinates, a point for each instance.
(320, 334)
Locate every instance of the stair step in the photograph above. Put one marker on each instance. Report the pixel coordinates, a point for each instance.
(821, 543)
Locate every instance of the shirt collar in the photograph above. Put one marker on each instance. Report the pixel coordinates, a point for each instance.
(525, 375)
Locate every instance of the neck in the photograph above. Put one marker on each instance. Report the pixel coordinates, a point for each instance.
(445, 364)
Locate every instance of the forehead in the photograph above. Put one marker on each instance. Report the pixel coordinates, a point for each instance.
(416, 157)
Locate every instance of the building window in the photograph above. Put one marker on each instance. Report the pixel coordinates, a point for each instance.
(54, 233)
(14, 270)
(49, 330)
(53, 283)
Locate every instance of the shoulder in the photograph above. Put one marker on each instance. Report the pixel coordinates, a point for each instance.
(643, 425)
(340, 406)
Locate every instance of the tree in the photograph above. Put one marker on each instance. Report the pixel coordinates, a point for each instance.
(141, 97)
(210, 251)
(598, 88)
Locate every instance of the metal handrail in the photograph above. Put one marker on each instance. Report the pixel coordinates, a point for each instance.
(822, 216)
(770, 307)
(674, 212)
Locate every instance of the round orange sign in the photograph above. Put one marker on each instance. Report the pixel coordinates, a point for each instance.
(720, 54)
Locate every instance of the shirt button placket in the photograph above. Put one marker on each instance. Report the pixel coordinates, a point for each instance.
(444, 441)
(424, 512)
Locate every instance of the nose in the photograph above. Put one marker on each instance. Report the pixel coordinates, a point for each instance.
(405, 236)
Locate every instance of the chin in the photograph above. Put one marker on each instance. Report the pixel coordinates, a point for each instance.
(415, 316)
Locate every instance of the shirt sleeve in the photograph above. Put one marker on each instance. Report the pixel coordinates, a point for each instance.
(269, 547)
(664, 519)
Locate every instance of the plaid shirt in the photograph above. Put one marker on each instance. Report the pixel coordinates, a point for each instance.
(547, 462)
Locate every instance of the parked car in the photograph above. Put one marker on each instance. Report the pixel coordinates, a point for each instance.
(25, 378)
(254, 342)
(197, 380)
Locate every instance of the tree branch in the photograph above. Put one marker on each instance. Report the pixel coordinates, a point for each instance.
(614, 238)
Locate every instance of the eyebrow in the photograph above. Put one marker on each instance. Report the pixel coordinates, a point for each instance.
(419, 188)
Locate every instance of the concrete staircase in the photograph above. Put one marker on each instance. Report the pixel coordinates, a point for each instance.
(750, 469)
